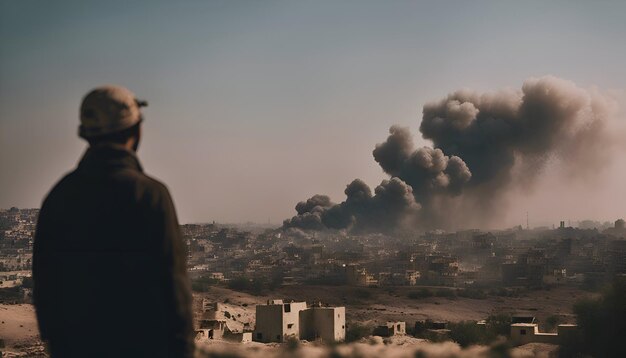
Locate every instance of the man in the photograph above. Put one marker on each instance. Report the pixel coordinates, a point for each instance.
(109, 263)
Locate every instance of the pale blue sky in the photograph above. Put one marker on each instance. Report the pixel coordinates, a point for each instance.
(255, 105)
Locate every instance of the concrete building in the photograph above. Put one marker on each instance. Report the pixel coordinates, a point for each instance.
(219, 330)
(359, 277)
(523, 333)
(211, 329)
(325, 323)
(390, 329)
(214, 325)
(276, 321)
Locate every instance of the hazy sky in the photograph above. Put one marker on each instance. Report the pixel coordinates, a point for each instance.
(255, 105)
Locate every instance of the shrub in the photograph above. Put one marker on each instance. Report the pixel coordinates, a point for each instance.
(466, 333)
(421, 293)
(444, 292)
(11, 295)
(202, 283)
(27, 282)
(239, 284)
(499, 324)
(254, 286)
(472, 293)
(357, 331)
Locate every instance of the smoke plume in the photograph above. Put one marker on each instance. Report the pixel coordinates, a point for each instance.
(484, 145)
(391, 205)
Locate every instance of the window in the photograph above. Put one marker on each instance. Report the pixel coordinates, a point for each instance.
(398, 327)
(290, 325)
(287, 307)
(259, 336)
(522, 332)
(343, 326)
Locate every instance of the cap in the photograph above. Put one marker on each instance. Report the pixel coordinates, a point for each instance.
(108, 109)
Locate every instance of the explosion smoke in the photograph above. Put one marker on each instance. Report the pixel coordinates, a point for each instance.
(480, 141)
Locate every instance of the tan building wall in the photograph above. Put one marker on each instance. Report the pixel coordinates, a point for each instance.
(276, 321)
(325, 323)
(390, 329)
(522, 333)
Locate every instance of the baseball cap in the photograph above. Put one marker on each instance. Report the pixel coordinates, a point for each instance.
(109, 109)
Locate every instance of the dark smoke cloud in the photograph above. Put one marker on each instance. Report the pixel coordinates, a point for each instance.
(315, 203)
(484, 144)
(426, 170)
(393, 202)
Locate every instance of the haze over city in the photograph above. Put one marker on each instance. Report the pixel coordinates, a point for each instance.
(354, 178)
(255, 107)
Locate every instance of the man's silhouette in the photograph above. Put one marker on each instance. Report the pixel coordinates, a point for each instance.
(109, 263)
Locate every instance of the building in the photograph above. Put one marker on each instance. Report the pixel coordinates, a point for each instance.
(276, 321)
(325, 323)
(359, 277)
(214, 325)
(219, 330)
(523, 333)
(390, 329)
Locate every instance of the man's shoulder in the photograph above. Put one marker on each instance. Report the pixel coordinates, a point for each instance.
(60, 187)
(144, 180)
(133, 182)
(146, 188)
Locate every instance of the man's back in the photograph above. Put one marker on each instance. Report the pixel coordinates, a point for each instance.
(109, 263)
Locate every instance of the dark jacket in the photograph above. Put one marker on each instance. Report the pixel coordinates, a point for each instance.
(109, 267)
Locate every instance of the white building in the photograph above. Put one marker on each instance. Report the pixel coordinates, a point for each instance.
(276, 321)
(325, 323)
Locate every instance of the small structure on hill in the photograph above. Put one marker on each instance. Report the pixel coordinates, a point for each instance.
(390, 329)
(214, 325)
(324, 323)
(522, 333)
(278, 321)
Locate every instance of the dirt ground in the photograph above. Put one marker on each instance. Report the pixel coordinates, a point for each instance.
(373, 347)
(372, 306)
(18, 329)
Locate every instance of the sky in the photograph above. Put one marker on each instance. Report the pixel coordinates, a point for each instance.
(256, 105)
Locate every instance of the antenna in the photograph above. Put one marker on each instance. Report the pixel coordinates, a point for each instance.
(527, 225)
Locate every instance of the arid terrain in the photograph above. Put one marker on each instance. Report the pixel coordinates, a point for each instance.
(367, 306)
(18, 329)
(371, 306)
(373, 347)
